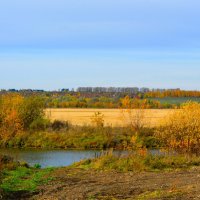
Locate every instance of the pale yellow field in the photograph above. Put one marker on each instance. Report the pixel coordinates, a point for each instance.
(113, 117)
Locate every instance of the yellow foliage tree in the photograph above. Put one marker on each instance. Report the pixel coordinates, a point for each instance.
(133, 113)
(11, 124)
(181, 130)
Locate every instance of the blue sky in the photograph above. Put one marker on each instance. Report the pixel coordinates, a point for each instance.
(54, 44)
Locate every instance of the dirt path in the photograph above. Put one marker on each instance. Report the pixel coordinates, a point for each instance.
(78, 184)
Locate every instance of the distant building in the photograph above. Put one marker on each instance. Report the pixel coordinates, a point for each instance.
(144, 90)
(132, 90)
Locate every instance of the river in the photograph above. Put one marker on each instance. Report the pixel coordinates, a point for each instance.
(49, 158)
(54, 158)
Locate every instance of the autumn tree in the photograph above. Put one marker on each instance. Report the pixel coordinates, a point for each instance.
(31, 110)
(133, 112)
(17, 113)
(10, 122)
(181, 130)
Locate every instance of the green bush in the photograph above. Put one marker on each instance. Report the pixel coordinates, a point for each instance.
(40, 124)
(30, 110)
(58, 125)
(37, 166)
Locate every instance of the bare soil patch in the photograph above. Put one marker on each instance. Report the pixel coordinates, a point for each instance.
(80, 184)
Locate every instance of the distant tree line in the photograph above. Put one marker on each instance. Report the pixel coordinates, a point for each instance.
(108, 92)
(130, 90)
(171, 93)
(72, 101)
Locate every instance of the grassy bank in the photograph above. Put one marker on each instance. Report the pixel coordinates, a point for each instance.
(24, 179)
(85, 137)
(18, 180)
(140, 161)
(21, 182)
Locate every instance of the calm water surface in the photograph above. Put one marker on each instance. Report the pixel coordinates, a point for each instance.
(54, 158)
(46, 158)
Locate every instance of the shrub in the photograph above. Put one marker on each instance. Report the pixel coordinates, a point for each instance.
(10, 122)
(30, 110)
(97, 119)
(133, 113)
(181, 130)
(39, 124)
(7, 162)
(37, 166)
(58, 125)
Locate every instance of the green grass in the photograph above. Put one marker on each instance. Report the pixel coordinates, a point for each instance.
(85, 137)
(24, 179)
(136, 162)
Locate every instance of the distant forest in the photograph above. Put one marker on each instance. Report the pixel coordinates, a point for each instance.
(102, 97)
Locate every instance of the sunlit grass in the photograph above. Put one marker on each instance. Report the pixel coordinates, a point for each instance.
(135, 162)
(24, 179)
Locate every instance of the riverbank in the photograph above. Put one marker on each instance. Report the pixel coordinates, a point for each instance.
(84, 182)
(90, 184)
(111, 185)
(82, 137)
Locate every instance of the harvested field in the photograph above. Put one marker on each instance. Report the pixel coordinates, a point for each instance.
(114, 117)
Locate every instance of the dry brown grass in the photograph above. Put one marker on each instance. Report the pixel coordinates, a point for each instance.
(113, 117)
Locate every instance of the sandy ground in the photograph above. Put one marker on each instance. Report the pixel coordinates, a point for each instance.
(113, 117)
(79, 184)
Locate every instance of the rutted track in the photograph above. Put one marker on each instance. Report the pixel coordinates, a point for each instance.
(77, 184)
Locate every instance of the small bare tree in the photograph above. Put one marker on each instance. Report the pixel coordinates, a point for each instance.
(133, 115)
(98, 119)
